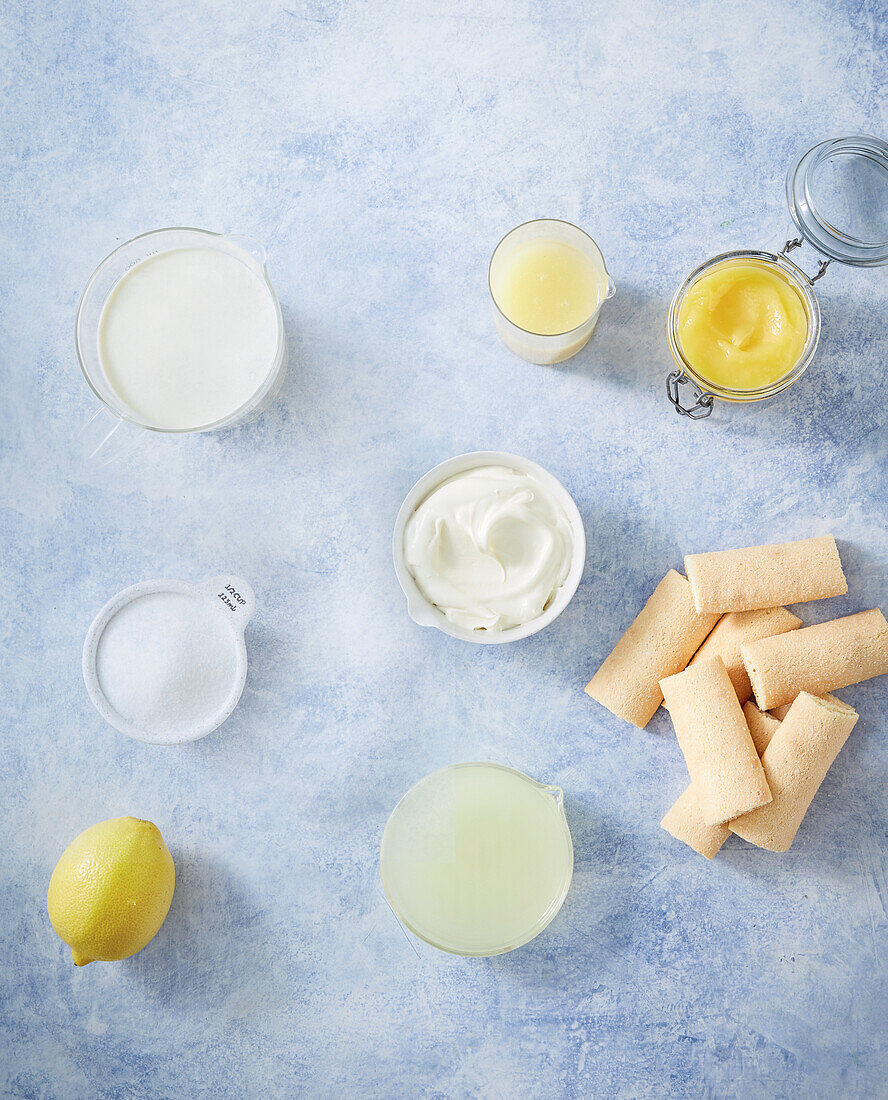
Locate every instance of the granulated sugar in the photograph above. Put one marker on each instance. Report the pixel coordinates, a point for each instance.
(167, 663)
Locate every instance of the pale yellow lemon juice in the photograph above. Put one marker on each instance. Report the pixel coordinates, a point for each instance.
(548, 281)
(548, 287)
(476, 859)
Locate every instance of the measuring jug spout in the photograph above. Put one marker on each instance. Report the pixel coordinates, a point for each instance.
(610, 290)
(248, 245)
(556, 794)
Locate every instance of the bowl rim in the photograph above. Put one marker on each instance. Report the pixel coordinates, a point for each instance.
(425, 613)
(101, 702)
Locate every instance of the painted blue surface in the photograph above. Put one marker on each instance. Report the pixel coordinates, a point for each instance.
(380, 150)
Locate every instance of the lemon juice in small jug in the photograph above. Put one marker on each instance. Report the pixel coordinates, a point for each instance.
(477, 858)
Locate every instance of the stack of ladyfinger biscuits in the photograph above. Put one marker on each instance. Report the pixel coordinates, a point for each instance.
(705, 645)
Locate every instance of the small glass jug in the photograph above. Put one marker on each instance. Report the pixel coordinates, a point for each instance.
(477, 858)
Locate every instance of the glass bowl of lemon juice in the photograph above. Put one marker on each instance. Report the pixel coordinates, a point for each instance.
(477, 858)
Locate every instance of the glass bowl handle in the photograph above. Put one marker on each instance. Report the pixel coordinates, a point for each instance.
(702, 406)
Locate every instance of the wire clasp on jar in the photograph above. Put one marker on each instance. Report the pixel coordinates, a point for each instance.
(822, 265)
(703, 400)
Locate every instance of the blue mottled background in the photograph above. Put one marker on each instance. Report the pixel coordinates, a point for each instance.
(380, 150)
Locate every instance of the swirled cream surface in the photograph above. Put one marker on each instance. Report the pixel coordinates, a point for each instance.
(490, 547)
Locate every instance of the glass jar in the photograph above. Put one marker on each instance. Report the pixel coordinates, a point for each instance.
(837, 193)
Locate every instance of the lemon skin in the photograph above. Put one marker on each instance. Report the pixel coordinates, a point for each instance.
(111, 890)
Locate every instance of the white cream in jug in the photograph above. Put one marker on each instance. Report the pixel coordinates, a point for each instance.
(187, 337)
(489, 547)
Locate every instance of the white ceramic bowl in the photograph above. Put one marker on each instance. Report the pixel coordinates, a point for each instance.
(235, 599)
(422, 611)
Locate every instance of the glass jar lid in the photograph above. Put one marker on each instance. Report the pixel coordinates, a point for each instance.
(838, 197)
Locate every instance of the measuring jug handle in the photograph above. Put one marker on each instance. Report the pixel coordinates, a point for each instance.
(105, 438)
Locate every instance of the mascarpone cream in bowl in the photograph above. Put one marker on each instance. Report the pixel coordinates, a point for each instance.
(488, 547)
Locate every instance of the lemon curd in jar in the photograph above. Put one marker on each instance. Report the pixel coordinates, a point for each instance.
(742, 325)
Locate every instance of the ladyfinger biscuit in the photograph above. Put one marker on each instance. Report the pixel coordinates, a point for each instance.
(737, 627)
(781, 712)
(795, 762)
(762, 726)
(817, 658)
(684, 820)
(766, 576)
(661, 641)
(716, 742)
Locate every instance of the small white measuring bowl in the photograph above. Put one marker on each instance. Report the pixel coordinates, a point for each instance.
(425, 613)
(230, 598)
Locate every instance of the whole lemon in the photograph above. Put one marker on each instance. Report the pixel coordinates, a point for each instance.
(111, 890)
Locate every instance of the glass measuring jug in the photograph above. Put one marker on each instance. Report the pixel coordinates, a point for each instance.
(477, 858)
(837, 194)
(104, 290)
(555, 252)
